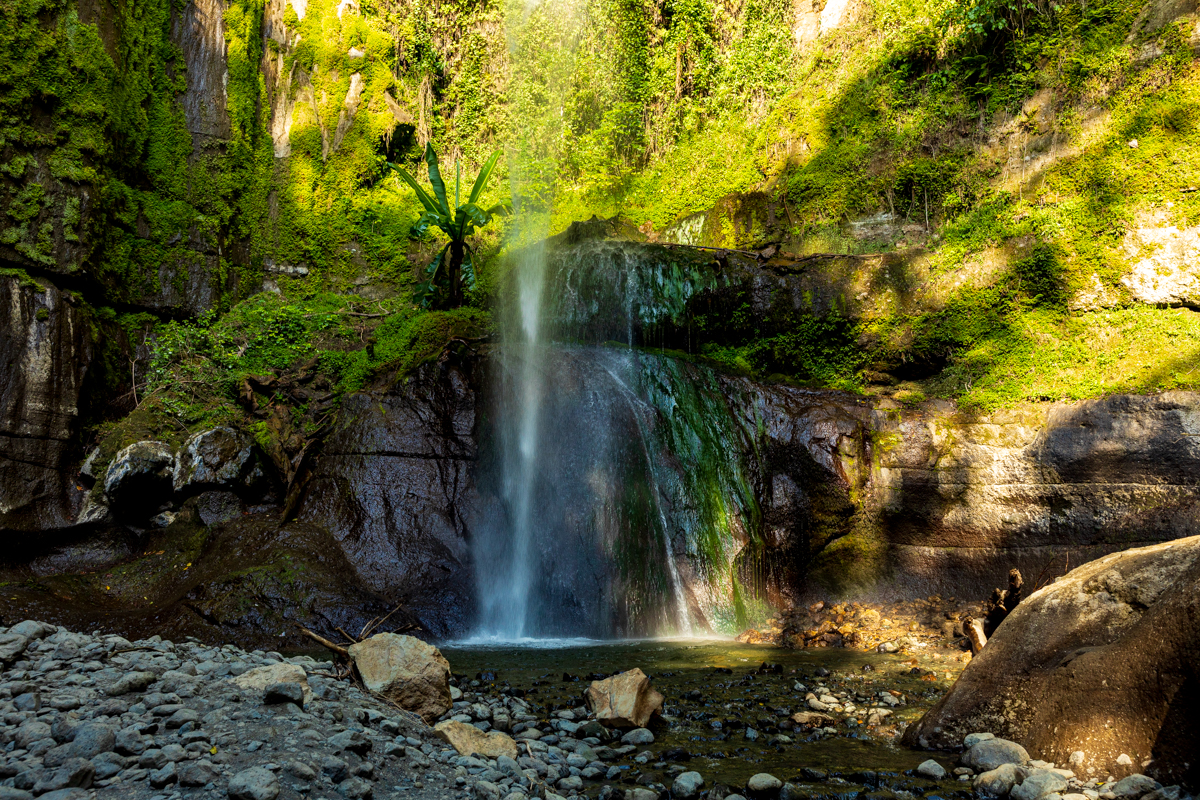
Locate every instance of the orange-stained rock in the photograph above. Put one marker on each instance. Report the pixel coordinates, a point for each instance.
(467, 740)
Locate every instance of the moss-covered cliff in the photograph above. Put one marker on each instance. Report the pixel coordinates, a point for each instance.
(989, 201)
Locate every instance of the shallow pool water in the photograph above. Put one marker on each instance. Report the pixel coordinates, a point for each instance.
(734, 694)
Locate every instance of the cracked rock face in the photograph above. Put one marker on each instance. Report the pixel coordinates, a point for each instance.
(219, 457)
(1100, 662)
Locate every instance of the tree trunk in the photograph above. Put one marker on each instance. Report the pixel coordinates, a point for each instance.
(454, 272)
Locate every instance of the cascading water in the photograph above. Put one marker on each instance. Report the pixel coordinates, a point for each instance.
(623, 482)
(505, 572)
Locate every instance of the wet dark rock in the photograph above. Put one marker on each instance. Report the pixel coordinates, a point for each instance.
(46, 347)
(394, 484)
(217, 458)
(138, 480)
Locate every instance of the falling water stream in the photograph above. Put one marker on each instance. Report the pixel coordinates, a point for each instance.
(619, 509)
(505, 582)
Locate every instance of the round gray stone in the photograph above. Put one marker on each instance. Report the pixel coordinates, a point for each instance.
(256, 783)
(687, 785)
(991, 753)
(638, 736)
(931, 769)
(763, 784)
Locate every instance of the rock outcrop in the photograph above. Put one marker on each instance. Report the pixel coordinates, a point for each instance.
(138, 480)
(961, 498)
(394, 484)
(1101, 662)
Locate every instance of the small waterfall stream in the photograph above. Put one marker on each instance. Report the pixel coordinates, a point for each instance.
(624, 482)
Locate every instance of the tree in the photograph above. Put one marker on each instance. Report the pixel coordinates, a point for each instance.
(449, 275)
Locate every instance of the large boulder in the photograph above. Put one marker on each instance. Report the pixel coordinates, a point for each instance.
(468, 740)
(221, 457)
(624, 701)
(405, 670)
(1102, 661)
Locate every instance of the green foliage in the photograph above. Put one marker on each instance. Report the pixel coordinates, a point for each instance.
(456, 258)
(202, 362)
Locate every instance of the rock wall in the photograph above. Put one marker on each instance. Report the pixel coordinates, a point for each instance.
(393, 483)
(962, 498)
(46, 345)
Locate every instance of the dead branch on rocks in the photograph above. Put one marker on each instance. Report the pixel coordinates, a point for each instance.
(1002, 602)
(321, 640)
(997, 608)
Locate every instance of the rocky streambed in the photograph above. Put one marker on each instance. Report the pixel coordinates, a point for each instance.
(100, 716)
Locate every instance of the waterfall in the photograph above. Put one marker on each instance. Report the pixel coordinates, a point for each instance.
(505, 572)
(621, 479)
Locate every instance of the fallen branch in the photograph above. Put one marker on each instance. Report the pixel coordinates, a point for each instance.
(375, 623)
(321, 640)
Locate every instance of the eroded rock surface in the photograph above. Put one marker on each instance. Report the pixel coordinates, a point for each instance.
(393, 485)
(963, 498)
(1100, 662)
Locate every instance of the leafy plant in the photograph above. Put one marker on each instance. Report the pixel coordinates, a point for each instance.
(445, 275)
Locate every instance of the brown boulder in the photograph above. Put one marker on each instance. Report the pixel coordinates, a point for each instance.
(624, 701)
(1101, 661)
(405, 670)
(467, 740)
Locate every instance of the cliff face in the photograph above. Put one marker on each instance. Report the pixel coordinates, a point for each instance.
(961, 498)
(46, 346)
(394, 484)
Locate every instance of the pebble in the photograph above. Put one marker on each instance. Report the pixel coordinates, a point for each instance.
(991, 753)
(256, 783)
(638, 736)
(932, 769)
